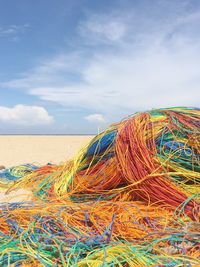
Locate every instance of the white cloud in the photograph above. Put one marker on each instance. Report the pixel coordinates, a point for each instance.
(25, 115)
(99, 118)
(13, 31)
(55, 71)
(122, 84)
(103, 28)
(130, 61)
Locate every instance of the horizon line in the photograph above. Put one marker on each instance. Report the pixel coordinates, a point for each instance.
(47, 134)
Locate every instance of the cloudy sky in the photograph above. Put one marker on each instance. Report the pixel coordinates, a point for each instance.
(75, 66)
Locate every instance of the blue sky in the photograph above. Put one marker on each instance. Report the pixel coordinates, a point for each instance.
(73, 67)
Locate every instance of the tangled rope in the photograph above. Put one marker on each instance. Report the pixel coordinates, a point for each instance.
(130, 198)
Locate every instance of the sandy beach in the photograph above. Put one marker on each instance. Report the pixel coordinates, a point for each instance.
(39, 149)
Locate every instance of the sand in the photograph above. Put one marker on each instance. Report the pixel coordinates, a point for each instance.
(39, 150)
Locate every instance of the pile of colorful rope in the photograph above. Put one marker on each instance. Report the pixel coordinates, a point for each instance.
(17, 172)
(129, 198)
